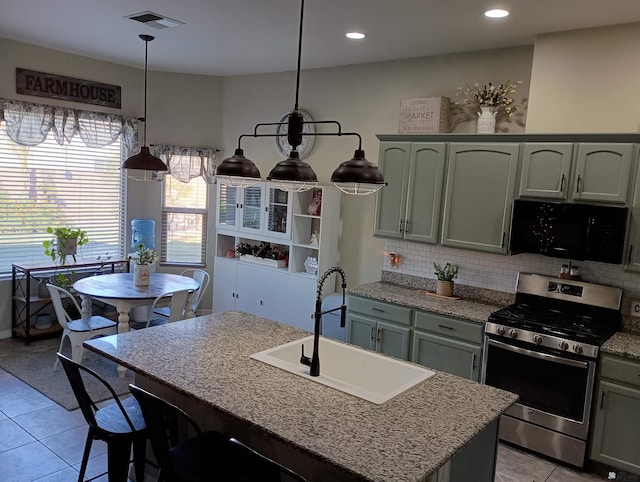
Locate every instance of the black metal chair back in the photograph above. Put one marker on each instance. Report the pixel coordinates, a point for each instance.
(119, 424)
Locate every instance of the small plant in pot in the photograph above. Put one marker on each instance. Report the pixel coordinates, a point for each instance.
(65, 242)
(142, 265)
(445, 275)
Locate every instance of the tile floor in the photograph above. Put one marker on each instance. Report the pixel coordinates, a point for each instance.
(41, 441)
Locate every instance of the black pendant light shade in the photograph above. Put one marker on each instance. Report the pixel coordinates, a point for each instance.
(358, 176)
(145, 166)
(144, 161)
(293, 174)
(238, 171)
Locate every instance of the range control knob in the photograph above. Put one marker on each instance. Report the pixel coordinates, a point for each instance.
(537, 339)
(564, 345)
(577, 348)
(513, 333)
(500, 330)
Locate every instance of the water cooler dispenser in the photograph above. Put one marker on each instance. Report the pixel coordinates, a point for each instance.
(142, 231)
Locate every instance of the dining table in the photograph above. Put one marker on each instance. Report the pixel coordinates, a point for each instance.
(120, 291)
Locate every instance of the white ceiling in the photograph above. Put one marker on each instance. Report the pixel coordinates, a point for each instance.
(232, 37)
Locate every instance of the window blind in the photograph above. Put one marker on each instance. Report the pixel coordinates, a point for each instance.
(184, 221)
(71, 186)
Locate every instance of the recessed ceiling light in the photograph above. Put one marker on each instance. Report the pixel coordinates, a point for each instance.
(356, 35)
(496, 13)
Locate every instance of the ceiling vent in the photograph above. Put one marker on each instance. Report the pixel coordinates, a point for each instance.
(154, 20)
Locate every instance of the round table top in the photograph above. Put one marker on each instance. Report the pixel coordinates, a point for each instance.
(120, 285)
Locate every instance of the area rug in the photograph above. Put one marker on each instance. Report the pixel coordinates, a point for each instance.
(33, 364)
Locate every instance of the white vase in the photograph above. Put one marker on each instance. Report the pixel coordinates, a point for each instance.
(487, 120)
(141, 273)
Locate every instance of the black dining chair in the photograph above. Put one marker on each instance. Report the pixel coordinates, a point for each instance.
(184, 453)
(119, 424)
(187, 454)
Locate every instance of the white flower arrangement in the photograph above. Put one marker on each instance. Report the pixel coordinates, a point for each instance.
(145, 255)
(489, 95)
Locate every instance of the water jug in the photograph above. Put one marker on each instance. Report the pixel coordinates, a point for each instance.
(143, 231)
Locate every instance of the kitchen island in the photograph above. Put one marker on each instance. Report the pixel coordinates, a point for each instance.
(203, 365)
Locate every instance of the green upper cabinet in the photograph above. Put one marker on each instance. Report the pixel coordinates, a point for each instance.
(409, 207)
(602, 172)
(391, 200)
(545, 170)
(632, 257)
(480, 186)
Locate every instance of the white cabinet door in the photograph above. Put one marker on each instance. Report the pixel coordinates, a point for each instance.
(262, 291)
(227, 207)
(301, 300)
(224, 282)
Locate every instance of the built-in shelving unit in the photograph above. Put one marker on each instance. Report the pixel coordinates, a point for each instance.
(305, 224)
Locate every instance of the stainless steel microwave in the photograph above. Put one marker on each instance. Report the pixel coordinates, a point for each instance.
(568, 230)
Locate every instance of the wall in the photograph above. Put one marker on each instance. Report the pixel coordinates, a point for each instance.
(363, 98)
(586, 81)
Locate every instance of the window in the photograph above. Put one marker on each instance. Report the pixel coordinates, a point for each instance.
(61, 168)
(184, 203)
(184, 221)
(52, 185)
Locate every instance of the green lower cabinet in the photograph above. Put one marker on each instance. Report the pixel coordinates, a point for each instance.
(616, 423)
(383, 337)
(448, 355)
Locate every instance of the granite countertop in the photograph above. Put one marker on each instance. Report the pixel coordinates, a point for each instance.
(472, 310)
(623, 344)
(407, 438)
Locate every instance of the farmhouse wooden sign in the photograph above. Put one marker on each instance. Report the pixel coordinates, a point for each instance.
(30, 82)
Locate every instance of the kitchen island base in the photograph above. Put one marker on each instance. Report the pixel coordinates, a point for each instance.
(475, 461)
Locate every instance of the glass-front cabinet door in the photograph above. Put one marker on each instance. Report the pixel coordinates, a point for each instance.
(251, 208)
(278, 213)
(227, 207)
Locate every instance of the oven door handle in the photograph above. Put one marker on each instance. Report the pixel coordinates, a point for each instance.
(540, 355)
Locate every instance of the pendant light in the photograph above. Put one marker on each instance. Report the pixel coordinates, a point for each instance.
(145, 166)
(355, 176)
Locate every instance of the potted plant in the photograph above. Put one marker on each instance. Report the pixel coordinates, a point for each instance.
(445, 275)
(65, 242)
(142, 264)
(264, 253)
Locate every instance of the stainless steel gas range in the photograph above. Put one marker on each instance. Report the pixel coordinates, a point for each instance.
(545, 348)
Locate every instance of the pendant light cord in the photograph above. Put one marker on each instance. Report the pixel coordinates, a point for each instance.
(299, 54)
(147, 39)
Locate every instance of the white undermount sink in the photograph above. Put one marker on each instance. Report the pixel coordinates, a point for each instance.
(365, 374)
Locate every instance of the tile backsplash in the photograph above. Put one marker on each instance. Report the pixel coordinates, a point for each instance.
(499, 272)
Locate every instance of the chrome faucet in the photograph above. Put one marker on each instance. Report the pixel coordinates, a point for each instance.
(314, 361)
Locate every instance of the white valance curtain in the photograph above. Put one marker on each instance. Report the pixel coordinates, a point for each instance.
(29, 124)
(186, 163)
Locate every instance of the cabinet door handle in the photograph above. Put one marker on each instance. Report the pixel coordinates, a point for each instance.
(445, 327)
(562, 183)
(400, 226)
(504, 235)
(602, 401)
(473, 362)
(373, 334)
(406, 225)
(379, 335)
(261, 302)
(630, 251)
(578, 184)
(377, 309)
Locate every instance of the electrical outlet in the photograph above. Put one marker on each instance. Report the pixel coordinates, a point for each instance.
(635, 308)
